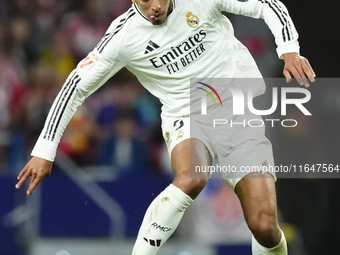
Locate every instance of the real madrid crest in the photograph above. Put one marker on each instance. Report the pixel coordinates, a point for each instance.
(180, 135)
(192, 20)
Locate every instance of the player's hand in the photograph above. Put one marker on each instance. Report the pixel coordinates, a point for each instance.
(37, 168)
(299, 67)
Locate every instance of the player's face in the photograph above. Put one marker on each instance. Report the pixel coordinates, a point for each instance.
(156, 11)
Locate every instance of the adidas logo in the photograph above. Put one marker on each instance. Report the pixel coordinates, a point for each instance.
(151, 47)
(153, 242)
(265, 163)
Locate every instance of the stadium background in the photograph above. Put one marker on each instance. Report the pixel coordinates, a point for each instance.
(96, 197)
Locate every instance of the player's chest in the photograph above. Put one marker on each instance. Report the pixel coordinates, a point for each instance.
(171, 48)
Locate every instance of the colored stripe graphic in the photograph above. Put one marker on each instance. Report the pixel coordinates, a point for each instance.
(213, 90)
(208, 94)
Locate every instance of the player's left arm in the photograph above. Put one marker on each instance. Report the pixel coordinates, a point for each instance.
(277, 17)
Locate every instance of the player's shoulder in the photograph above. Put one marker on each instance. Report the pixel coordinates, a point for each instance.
(118, 32)
(123, 20)
(188, 3)
(201, 6)
(200, 3)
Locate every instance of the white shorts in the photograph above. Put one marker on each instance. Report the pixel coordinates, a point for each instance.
(240, 149)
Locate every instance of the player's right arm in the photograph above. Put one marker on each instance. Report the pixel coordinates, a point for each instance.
(90, 74)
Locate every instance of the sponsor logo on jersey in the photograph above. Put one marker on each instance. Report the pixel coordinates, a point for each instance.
(151, 47)
(181, 55)
(192, 20)
(242, 1)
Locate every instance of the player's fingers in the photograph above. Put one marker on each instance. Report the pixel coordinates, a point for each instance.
(302, 79)
(23, 171)
(300, 76)
(34, 183)
(295, 73)
(286, 73)
(23, 178)
(308, 70)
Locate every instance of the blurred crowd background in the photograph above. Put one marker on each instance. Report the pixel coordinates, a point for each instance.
(41, 41)
(40, 44)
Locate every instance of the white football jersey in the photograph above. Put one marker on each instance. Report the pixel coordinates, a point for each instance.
(195, 41)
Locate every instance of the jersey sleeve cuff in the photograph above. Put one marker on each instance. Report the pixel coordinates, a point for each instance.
(291, 46)
(45, 150)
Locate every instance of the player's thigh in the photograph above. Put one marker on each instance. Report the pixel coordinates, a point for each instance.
(187, 150)
(188, 154)
(188, 145)
(185, 156)
(244, 150)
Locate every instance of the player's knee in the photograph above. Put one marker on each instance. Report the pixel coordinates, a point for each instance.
(197, 183)
(194, 183)
(190, 186)
(263, 224)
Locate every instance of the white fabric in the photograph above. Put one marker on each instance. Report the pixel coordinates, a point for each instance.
(241, 149)
(280, 249)
(160, 220)
(164, 57)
